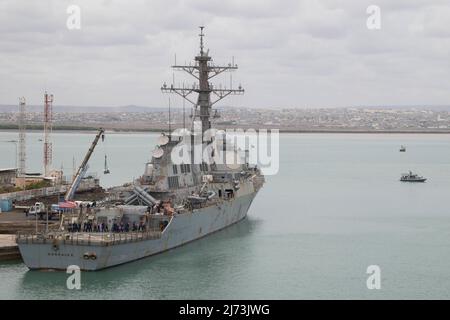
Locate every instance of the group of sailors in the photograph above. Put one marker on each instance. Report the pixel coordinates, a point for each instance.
(121, 227)
(90, 226)
(160, 208)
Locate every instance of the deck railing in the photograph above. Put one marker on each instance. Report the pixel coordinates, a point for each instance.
(83, 238)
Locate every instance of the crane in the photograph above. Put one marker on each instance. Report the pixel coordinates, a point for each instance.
(84, 166)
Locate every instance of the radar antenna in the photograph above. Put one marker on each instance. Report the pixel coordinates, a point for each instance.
(203, 70)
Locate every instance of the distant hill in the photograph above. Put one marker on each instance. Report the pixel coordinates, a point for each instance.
(143, 109)
(75, 109)
(417, 107)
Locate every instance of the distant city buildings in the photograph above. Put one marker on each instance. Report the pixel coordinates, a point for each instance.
(323, 119)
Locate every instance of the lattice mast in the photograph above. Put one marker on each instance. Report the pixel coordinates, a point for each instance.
(203, 70)
(22, 132)
(48, 100)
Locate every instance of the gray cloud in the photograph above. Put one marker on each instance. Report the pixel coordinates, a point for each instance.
(291, 53)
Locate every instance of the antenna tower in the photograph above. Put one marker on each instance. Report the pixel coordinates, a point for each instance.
(48, 100)
(203, 70)
(22, 131)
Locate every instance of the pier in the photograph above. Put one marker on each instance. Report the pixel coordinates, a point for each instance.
(8, 247)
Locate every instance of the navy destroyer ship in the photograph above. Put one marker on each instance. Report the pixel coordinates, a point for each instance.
(171, 204)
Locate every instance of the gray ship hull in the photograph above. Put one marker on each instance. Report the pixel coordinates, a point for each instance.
(182, 228)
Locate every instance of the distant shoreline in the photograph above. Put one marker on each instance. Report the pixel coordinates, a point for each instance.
(158, 130)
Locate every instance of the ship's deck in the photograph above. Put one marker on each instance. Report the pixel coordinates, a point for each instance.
(87, 238)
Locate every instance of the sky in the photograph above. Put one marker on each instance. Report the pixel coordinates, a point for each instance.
(291, 54)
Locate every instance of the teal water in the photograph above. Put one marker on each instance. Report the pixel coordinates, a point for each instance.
(335, 207)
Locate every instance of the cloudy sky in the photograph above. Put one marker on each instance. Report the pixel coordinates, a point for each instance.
(303, 53)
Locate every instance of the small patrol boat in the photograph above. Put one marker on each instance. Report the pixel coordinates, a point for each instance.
(412, 177)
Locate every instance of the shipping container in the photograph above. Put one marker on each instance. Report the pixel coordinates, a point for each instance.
(5, 205)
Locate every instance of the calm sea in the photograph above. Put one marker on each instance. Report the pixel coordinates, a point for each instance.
(335, 207)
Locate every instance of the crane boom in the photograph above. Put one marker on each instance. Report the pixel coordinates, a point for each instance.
(83, 167)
